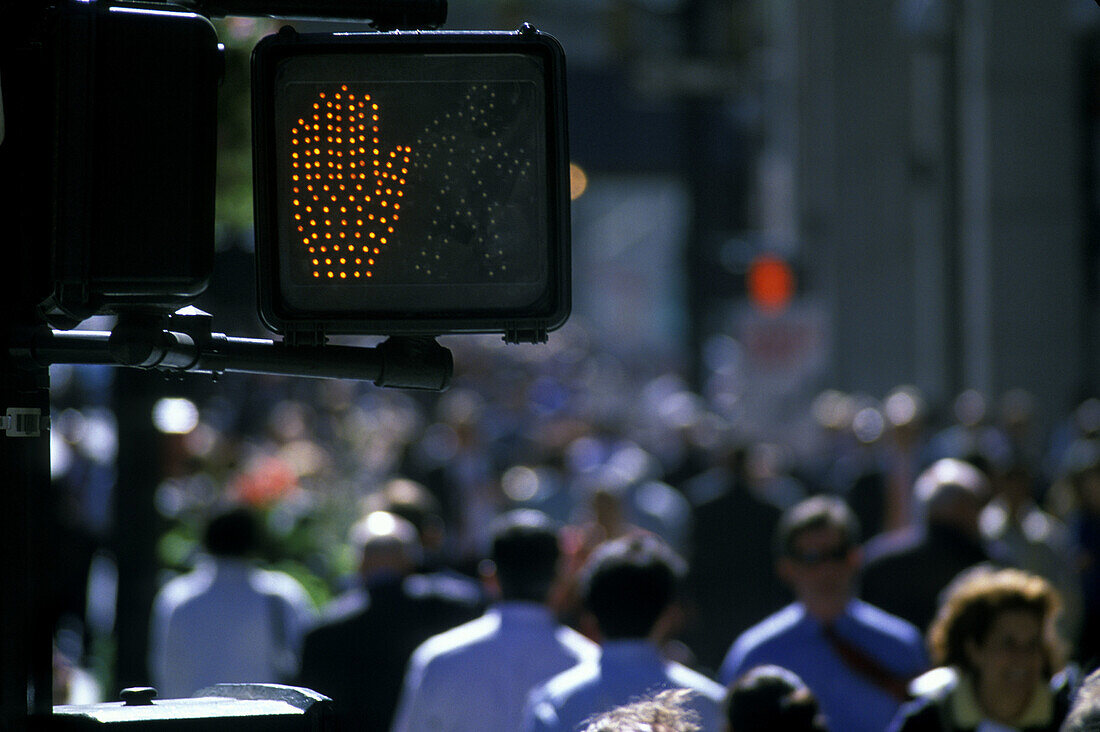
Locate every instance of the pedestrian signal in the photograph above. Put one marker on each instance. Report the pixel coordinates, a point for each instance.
(411, 183)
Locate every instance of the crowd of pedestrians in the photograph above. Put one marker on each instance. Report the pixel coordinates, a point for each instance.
(530, 553)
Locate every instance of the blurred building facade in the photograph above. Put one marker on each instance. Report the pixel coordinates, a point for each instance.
(944, 191)
(928, 167)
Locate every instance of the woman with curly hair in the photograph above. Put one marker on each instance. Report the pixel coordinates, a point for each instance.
(995, 630)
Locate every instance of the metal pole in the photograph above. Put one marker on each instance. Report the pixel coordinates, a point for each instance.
(26, 612)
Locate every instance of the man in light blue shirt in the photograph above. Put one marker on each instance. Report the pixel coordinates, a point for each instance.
(856, 659)
(628, 584)
(476, 676)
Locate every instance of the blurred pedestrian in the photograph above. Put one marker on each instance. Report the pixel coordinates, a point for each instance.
(1033, 540)
(476, 676)
(995, 630)
(628, 584)
(857, 659)
(768, 698)
(906, 571)
(227, 620)
(730, 583)
(358, 653)
(1083, 478)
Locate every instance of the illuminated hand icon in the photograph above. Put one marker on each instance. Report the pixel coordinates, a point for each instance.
(346, 192)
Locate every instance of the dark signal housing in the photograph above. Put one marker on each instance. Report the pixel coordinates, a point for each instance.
(411, 183)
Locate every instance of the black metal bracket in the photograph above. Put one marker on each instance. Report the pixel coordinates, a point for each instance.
(185, 343)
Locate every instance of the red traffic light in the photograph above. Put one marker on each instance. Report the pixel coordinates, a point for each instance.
(771, 283)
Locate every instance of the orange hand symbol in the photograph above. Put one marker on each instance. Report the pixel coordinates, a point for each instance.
(346, 192)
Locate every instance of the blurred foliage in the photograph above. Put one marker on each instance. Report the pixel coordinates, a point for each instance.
(234, 182)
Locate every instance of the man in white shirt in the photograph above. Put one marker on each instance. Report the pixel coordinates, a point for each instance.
(476, 676)
(227, 620)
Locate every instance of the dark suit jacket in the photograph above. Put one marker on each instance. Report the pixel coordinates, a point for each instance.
(357, 655)
(904, 574)
(731, 583)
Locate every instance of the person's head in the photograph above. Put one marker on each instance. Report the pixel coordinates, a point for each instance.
(525, 554)
(666, 711)
(388, 545)
(769, 698)
(818, 554)
(1084, 712)
(232, 532)
(952, 493)
(997, 628)
(628, 583)
(416, 504)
